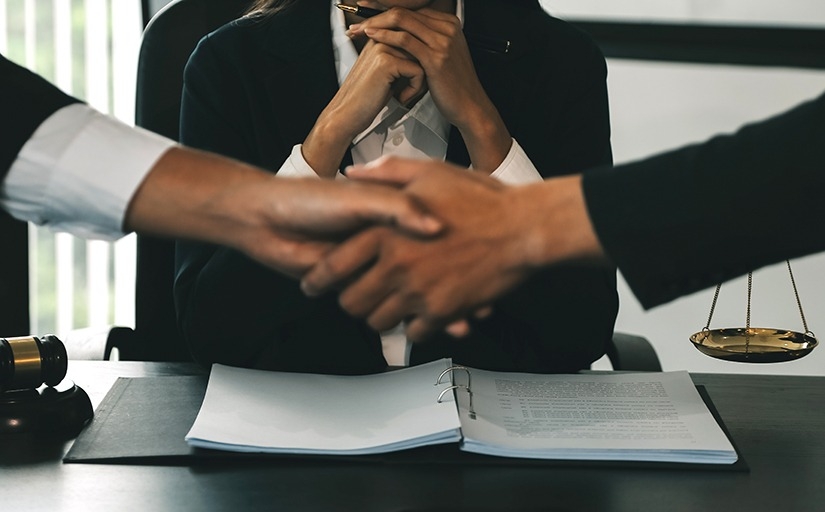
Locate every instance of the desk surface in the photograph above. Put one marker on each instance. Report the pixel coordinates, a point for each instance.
(776, 421)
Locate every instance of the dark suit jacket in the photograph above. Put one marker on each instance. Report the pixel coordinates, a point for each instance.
(26, 100)
(255, 87)
(695, 217)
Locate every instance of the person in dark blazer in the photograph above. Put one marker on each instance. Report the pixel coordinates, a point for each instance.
(69, 167)
(266, 84)
(674, 223)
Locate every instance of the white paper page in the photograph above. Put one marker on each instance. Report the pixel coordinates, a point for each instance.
(251, 410)
(634, 416)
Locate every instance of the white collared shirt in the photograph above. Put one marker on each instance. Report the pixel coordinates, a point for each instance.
(78, 172)
(420, 132)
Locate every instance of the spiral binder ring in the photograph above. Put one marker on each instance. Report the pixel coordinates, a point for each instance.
(471, 412)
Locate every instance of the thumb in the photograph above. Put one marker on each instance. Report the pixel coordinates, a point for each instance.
(390, 170)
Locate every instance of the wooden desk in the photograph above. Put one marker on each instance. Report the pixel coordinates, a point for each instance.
(776, 421)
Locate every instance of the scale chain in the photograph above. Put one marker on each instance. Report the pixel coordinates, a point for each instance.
(748, 311)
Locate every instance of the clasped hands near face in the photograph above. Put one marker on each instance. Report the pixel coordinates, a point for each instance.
(433, 41)
(403, 54)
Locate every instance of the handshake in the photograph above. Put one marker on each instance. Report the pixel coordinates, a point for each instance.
(408, 240)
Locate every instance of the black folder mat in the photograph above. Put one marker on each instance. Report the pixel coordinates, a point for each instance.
(144, 421)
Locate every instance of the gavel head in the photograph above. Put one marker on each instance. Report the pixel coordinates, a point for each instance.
(28, 362)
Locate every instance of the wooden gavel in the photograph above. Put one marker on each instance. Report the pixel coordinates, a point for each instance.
(28, 362)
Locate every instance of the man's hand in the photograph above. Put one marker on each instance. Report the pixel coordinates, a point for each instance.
(488, 246)
(288, 224)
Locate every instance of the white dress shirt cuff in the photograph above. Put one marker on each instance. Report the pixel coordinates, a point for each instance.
(297, 167)
(517, 169)
(78, 172)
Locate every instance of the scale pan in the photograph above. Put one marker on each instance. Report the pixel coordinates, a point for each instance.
(753, 345)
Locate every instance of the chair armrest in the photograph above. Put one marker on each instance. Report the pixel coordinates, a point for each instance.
(630, 352)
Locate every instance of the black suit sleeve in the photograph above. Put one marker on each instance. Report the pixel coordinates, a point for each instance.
(26, 100)
(697, 216)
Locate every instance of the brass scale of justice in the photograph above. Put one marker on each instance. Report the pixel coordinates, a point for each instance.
(755, 344)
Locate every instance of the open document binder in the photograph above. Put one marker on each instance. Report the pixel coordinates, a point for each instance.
(657, 417)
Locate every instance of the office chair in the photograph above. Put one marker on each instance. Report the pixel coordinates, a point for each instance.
(168, 40)
(631, 352)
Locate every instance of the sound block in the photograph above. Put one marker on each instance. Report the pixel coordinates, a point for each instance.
(60, 411)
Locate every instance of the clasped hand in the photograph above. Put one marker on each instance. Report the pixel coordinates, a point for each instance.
(387, 276)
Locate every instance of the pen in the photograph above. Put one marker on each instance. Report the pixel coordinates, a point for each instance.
(481, 42)
(361, 12)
